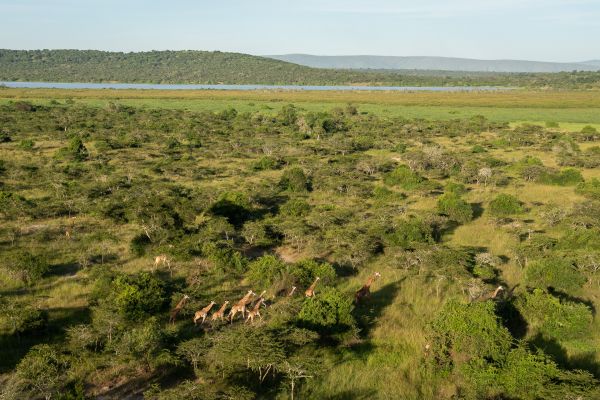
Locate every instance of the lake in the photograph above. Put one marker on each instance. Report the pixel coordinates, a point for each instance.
(153, 86)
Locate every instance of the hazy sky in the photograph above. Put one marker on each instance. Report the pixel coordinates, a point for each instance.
(546, 30)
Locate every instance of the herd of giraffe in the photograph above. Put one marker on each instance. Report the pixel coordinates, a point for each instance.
(200, 316)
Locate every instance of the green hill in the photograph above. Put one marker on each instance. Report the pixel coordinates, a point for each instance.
(203, 67)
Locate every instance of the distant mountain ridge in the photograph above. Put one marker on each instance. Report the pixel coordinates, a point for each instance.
(434, 63)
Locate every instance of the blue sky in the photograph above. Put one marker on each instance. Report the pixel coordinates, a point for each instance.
(545, 30)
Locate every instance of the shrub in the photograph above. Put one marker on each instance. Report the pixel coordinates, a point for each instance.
(547, 315)
(408, 232)
(505, 205)
(306, 271)
(556, 273)
(75, 150)
(456, 188)
(30, 267)
(137, 296)
(266, 163)
(26, 144)
(295, 208)
(42, 371)
(478, 149)
(23, 320)
(288, 115)
(402, 176)
(566, 177)
(329, 311)
(265, 270)
(294, 180)
(224, 258)
(455, 208)
(462, 333)
(590, 189)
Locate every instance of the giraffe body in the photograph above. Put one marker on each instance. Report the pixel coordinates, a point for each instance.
(220, 313)
(255, 311)
(203, 313)
(365, 290)
(310, 292)
(178, 308)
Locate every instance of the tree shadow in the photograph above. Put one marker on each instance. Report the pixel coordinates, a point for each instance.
(512, 319)
(370, 309)
(64, 269)
(553, 348)
(13, 348)
(477, 210)
(563, 296)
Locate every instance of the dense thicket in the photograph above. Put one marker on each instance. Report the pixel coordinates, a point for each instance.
(203, 67)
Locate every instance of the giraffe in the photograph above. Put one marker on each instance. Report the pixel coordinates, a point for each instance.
(255, 311)
(220, 312)
(162, 259)
(310, 292)
(291, 293)
(240, 306)
(260, 296)
(493, 295)
(178, 308)
(203, 313)
(365, 291)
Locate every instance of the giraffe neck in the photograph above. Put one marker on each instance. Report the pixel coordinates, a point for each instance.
(222, 308)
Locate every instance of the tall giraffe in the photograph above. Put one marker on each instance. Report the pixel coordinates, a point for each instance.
(203, 313)
(494, 294)
(178, 308)
(365, 290)
(310, 292)
(240, 306)
(255, 311)
(219, 314)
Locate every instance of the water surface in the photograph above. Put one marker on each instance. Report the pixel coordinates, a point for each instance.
(153, 86)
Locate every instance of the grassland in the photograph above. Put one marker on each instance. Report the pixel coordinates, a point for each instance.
(177, 170)
(572, 109)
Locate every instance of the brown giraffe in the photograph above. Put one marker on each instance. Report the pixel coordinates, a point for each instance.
(203, 313)
(493, 294)
(310, 292)
(291, 293)
(178, 308)
(219, 314)
(240, 306)
(255, 311)
(365, 291)
(163, 260)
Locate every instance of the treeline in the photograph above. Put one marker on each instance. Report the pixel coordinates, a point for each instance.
(202, 67)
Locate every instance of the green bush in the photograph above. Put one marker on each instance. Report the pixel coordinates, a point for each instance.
(30, 267)
(589, 189)
(455, 208)
(556, 273)
(295, 208)
(505, 205)
(42, 372)
(306, 271)
(553, 318)
(456, 188)
(329, 311)
(402, 176)
(265, 270)
(463, 333)
(408, 232)
(294, 180)
(224, 258)
(138, 296)
(75, 150)
(267, 163)
(566, 177)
